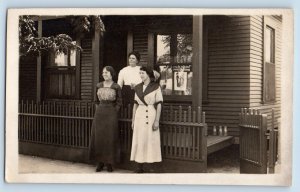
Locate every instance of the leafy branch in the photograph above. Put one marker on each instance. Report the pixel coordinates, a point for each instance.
(30, 43)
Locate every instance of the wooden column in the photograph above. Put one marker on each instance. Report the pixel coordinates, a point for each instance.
(96, 61)
(39, 66)
(197, 59)
(150, 50)
(205, 63)
(78, 63)
(129, 43)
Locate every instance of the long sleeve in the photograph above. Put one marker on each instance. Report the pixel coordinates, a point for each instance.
(119, 97)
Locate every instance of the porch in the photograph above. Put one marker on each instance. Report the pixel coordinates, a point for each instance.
(61, 130)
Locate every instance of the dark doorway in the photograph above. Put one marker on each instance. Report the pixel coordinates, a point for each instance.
(115, 50)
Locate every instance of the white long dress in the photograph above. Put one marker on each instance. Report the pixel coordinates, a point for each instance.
(146, 142)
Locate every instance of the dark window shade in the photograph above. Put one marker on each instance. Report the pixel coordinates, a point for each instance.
(269, 82)
(60, 83)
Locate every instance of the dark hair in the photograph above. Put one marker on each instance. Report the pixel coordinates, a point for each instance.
(149, 72)
(111, 70)
(136, 54)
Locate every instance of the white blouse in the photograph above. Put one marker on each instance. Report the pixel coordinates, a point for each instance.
(129, 75)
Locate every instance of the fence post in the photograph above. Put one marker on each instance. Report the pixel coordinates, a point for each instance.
(263, 141)
(271, 146)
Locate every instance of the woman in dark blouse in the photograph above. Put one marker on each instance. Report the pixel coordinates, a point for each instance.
(104, 143)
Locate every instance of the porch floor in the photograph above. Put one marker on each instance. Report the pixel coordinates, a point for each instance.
(216, 143)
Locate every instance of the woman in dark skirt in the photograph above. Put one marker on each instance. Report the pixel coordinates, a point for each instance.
(104, 144)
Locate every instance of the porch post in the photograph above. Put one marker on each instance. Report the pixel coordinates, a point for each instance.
(129, 43)
(39, 65)
(96, 61)
(197, 59)
(150, 50)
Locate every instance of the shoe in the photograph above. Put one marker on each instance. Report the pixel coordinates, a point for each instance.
(139, 171)
(99, 167)
(109, 168)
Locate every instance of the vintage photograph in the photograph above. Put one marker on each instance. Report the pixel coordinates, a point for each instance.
(150, 94)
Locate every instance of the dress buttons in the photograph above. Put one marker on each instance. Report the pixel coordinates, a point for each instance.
(146, 110)
(146, 122)
(146, 116)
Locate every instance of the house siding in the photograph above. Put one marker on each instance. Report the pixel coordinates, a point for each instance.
(86, 70)
(228, 71)
(256, 67)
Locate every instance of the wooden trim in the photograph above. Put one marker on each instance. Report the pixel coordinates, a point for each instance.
(129, 43)
(267, 21)
(77, 75)
(96, 62)
(205, 62)
(197, 60)
(39, 66)
(150, 50)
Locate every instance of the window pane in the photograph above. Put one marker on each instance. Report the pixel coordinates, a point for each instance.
(61, 60)
(163, 49)
(166, 80)
(184, 48)
(269, 45)
(73, 58)
(182, 80)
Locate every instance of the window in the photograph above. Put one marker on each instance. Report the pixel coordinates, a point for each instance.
(174, 59)
(60, 76)
(269, 84)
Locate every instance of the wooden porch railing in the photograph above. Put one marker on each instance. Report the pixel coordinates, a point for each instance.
(56, 123)
(68, 124)
(183, 132)
(258, 144)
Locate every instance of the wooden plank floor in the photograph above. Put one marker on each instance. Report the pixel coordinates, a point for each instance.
(216, 143)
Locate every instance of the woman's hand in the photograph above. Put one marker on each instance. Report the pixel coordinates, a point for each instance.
(155, 126)
(132, 125)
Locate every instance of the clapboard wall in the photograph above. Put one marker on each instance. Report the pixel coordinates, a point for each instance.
(27, 77)
(228, 70)
(86, 69)
(256, 66)
(140, 40)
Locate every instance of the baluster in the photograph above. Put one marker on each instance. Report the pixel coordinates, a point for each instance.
(184, 135)
(189, 114)
(199, 114)
(203, 117)
(176, 131)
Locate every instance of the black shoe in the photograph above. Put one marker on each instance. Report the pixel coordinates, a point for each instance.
(139, 171)
(109, 168)
(99, 167)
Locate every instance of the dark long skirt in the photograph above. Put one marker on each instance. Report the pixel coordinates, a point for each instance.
(127, 95)
(105, 142)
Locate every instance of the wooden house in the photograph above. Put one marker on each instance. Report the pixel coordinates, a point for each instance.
(220, 63)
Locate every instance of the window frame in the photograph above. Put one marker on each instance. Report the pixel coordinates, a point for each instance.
(268, 23)
(173, 33)
(48, 68)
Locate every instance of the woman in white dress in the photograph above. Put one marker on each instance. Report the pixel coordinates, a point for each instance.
(145, 120)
